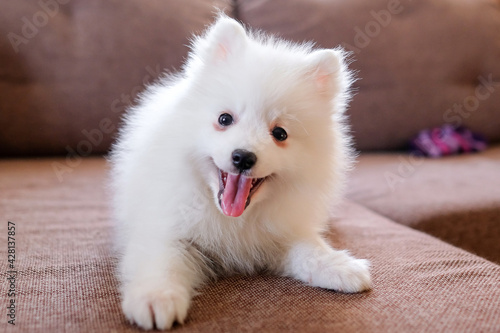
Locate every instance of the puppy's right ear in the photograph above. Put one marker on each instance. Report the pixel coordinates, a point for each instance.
(225, 38)
(326, 67)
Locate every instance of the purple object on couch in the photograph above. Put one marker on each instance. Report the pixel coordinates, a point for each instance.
(447, 140)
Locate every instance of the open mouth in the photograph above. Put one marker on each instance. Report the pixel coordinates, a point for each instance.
(236, 191)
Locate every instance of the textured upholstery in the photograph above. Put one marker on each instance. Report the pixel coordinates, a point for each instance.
(69, 68)
(456, 198)
(66, 271)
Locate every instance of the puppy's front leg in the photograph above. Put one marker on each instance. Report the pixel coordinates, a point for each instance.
(158, 283)
(319, 265)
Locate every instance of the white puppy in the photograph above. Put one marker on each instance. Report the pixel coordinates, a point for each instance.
(232, 166)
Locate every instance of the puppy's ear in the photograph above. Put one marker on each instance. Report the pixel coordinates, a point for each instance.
(327, 69)
(224, 39)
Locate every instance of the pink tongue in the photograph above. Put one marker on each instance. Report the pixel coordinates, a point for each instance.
(235, 195)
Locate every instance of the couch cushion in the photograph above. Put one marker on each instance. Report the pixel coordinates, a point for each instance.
(69, 68)
(65, 269)
(455, 198)
(421, 63)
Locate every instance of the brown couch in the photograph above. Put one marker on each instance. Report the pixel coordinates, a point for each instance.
(431, 228)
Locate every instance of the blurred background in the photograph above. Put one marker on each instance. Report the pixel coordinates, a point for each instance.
(68, 69)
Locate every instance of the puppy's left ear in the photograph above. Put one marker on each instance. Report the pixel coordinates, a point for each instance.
(328, 71)
(223, 40)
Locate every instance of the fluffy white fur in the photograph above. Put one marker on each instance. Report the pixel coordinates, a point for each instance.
(172, 232)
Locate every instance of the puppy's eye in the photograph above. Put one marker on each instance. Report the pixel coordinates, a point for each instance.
(279, 134)
(225, 119)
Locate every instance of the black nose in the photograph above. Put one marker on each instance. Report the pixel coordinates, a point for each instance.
(243, 159)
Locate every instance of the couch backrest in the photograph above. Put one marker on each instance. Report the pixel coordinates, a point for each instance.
(420, 63)
(68, 68)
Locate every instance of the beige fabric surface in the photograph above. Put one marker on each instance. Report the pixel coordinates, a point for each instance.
(66, 284)
(455, 198)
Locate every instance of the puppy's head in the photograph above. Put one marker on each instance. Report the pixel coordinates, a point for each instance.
(266, 113)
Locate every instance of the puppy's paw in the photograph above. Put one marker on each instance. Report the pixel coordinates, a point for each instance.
(151, 305)
(339, 271)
